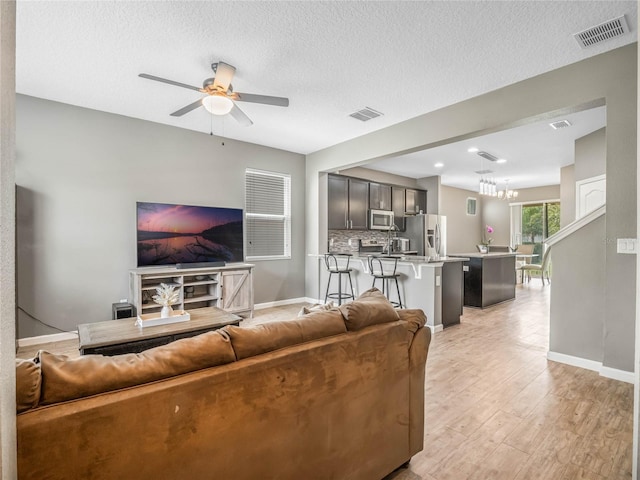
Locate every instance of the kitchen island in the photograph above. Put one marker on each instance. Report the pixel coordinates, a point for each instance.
(489, 278)
(432, 285)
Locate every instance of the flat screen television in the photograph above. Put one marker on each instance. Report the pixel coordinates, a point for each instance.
(170, 234)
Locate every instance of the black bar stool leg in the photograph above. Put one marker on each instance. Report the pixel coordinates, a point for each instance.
(326, 295)
(398, 290)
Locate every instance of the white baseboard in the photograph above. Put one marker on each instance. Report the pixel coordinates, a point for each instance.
(593, 365)
(622, 375)
(54, 337)
(436, 328)
(280, 303)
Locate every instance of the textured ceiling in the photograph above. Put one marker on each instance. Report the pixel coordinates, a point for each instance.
(330, 58)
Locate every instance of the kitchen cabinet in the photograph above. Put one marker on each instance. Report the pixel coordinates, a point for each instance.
(348, 203)
(379, 196)
(398, 206)
(415, 200)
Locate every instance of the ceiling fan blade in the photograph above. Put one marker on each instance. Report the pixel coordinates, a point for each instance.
(240, 116)
(170, 82)
(187, 109)
(224, 75)
(266, 99)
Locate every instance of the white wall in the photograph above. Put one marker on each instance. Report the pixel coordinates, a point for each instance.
(79, 174)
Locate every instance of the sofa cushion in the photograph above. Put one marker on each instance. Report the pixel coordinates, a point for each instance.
(370, 308)
(28, 382)
(266, 337)
(66, 378)
(414, 318)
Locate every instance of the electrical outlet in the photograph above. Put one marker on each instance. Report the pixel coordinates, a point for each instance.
(349, 242)
(628, 246)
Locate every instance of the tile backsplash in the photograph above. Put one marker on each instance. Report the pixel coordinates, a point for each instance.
(339, 239)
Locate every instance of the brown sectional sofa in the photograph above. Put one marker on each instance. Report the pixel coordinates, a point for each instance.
(337, 394)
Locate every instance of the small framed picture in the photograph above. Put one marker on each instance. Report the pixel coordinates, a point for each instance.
(471, 205)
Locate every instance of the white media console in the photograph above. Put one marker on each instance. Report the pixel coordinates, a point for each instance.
(229, 287)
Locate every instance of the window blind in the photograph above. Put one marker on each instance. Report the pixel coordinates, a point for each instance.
(268, 214)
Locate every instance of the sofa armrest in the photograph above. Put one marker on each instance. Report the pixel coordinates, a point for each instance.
(417, 366)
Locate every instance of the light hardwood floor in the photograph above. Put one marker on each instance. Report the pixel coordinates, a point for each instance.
(497, 409)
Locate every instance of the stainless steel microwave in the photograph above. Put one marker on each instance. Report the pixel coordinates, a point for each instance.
(380, 219)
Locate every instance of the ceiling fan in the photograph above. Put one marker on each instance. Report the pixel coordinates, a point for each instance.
(220, 98)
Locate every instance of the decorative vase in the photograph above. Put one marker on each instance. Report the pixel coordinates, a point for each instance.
(166, 311)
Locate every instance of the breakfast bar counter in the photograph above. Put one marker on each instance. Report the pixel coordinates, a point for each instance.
(434, 285)
(489, 278)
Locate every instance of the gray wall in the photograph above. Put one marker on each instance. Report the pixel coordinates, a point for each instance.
(567, 195)
(591, 155)
(8, 468)
(432, 186)
(79, 174)
(453, 204)
(580, 304)
(609, 78)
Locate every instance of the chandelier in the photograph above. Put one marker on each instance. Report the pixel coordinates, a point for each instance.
(507, 194)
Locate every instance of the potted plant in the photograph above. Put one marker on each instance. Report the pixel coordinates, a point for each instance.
(166, 295)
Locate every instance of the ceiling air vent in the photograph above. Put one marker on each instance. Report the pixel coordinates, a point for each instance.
(603, 32)
(488, 156)
(365, 114)
(483, 172)
(560, 124)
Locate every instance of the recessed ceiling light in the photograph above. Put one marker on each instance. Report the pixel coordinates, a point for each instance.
(473, 150)
(502, 160)
(439, 165)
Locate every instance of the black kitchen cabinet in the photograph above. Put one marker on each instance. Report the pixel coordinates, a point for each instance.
(348, 203)
(379, 196)
(398, 206)
(415, 200)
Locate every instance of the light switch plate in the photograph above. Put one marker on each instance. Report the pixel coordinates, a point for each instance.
(437, 280)
(628, 245)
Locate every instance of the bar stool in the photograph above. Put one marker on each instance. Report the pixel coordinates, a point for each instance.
(381, 269)
(334, 267)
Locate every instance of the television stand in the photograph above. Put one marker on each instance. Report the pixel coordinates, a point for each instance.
(228, 287)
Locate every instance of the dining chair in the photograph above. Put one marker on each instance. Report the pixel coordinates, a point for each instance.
(543, 267)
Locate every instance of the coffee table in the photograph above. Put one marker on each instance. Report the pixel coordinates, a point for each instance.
(114, 337)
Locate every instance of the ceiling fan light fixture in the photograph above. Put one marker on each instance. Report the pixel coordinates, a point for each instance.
(217, 104)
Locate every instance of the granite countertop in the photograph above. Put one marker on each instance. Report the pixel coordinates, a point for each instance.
(484, 255)
(407, 259)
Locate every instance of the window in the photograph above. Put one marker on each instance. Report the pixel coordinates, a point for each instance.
(268, 214)
(533, 223)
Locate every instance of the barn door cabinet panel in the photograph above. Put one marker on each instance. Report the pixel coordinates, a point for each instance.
(237, 291)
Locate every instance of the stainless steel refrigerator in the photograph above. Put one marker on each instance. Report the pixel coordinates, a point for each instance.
(427, 234)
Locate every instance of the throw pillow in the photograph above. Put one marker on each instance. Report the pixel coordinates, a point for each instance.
(318, 307)
(370, 308)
